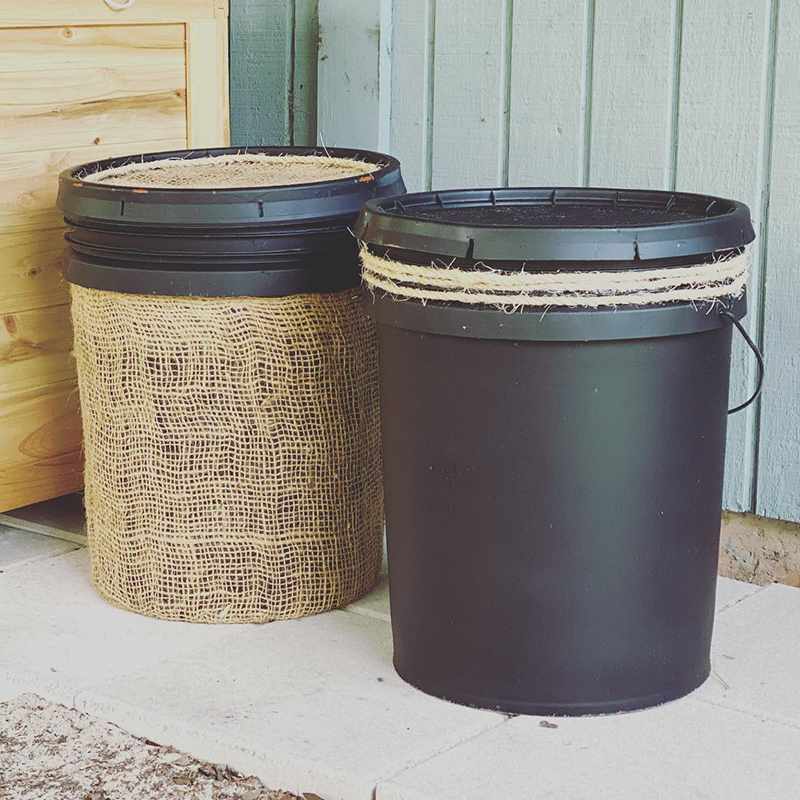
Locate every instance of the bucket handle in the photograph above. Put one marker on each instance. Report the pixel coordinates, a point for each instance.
(756, 352)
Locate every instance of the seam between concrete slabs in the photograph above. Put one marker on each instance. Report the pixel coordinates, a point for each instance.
(755, 590)
(504, 720)
(753, 713)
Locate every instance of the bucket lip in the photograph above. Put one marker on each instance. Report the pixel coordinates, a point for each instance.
(691, 224)
(84, 202)
(579, 324)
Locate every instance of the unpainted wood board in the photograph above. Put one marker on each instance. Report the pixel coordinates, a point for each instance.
(779, 443)
(410, 90)
(28, 184)
(469, 94)
(92, 106)
(207, 84)
(30, 13)
(303, 122)
(260, 49)
(720, 117)
(115, 46)
(631, 102)
(30, 269)
(35, 344)
(348, 88)
(40, 444)
(545, 136)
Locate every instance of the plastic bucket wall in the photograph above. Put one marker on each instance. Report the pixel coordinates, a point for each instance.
(553, 477)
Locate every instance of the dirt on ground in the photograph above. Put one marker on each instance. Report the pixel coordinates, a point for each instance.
(50, 752)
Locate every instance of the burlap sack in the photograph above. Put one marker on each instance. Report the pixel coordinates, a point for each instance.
(233, 467)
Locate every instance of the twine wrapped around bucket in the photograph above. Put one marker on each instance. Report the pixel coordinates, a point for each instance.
(483, 285)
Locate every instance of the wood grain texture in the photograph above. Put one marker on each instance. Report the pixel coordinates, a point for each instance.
(348, 88)
(30, 269)
(95, 12)
(28, 185)
(631, 101)
(207, 111)
(411, 87)
(41, 453)
(469, 93)
(545, 136)
(720, 118)
(59, 48)
(34, 343)
(93, 106)
(779, 443)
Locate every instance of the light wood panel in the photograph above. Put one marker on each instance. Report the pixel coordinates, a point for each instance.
(72, 93)
(58, 48)
(779, 440)
(90, 107)
(720, 145)
(28, 187)
(546, 135)
(41, 453)
(30, 269)
(32, 13)
(34, 343)
(207, 84)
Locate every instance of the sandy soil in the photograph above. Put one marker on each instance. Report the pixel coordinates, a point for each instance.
(50, 752)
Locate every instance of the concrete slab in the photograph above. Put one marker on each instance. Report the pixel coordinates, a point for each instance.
(681, 751)
(309, 705)
(755, 653)
(730, 592)
(376, 603)
(20, 547)
(58, 636)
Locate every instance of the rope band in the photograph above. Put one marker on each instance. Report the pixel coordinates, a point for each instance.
(505, 290)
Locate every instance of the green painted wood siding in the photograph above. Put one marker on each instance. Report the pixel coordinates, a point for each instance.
(695, 95)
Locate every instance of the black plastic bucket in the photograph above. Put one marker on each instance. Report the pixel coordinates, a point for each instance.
(255, 241)
(553, 478)
(228, 379)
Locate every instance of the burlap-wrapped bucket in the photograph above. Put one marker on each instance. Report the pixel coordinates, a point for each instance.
(230, 405)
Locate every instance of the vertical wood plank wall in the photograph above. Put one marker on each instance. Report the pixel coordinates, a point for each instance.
(695, 95)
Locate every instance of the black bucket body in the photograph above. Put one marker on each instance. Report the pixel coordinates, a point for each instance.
(553, 485)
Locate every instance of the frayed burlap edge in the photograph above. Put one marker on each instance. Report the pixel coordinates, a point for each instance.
(157, 173)
(509, 291)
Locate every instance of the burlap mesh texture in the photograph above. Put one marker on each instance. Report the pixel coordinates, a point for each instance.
(232, 452)
(240, 170)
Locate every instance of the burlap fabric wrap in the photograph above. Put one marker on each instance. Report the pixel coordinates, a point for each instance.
(233, 466)
(510, 291)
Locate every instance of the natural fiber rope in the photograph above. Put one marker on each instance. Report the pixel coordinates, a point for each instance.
(512, 290)
(235, 170)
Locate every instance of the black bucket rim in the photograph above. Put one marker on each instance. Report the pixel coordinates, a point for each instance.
(81, 200)
(412, 223)
(228, 242)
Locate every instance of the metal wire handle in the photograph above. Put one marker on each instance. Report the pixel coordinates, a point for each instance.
(759, 358)
(119, 6)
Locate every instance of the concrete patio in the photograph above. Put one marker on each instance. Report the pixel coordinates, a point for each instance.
(314, 705)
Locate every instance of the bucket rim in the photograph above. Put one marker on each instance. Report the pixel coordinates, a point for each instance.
(489, 225)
